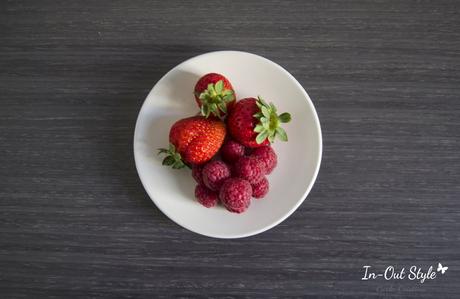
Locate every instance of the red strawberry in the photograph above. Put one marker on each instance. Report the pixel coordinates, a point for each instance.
(254, 123)
(214, 95)
(193, 140)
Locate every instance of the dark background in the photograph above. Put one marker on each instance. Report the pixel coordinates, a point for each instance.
(75, 221)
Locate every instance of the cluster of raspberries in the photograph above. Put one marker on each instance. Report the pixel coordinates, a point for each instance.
(235, 179)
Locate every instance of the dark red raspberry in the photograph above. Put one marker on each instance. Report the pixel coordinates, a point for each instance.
(214, 174)
(231, 151)
(197, 174)
(260, 189)
(250, 169)
(248, 151)
(267, 156)
(235, 195)
(206, 197)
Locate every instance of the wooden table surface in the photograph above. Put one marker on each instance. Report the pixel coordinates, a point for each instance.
(75, 221)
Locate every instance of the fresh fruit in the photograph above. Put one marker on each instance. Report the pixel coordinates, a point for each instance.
(231, 169)
(267, 156)
(260, 189)
(206, 197)
(253, 123)
(193, 140)
(250, 169)
(214, 95)
(214, 174)
(197, 174)
(231, 151)
(248, 151)
(235, 194)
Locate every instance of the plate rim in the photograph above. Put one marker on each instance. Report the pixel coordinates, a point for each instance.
(310, 185)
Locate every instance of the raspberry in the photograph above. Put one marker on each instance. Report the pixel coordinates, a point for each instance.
(260, 189)
(235, 195)
(250, 169)
(197, 171)
(267, 156)
(248, 151)
(214, 174)
(206, 197)
(231, 151)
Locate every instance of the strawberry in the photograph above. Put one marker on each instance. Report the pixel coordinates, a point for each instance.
(214, 95)
(254, 123)
(193, 140)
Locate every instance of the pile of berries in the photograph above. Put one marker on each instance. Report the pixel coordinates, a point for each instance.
(234, 178)
(228, 169)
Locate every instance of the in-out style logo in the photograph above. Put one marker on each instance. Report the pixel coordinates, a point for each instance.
(414, 273)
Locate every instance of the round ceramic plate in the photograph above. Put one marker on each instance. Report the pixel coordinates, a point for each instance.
(298, 159)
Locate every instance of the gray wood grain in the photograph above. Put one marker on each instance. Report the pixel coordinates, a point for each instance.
(76, 222)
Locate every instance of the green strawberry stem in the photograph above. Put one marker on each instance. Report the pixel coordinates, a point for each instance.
(172, 158)
(269, 122)
(214, 99)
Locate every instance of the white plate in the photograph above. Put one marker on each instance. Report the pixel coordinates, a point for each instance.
(298, 159)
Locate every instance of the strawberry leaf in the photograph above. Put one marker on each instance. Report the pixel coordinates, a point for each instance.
(266, 125)
(269, 122)
(178, 164)
(281, 134)
(211, 88)
(262, 102)
(162, 151)
(265, 112)
(202, 110)
(219, 86)
(168, 161)
(172, 157)
(228, 97)
(285, 117)
(205, 110)
(223, 107)
(213, 96)
(259, 128)
(261, 137)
